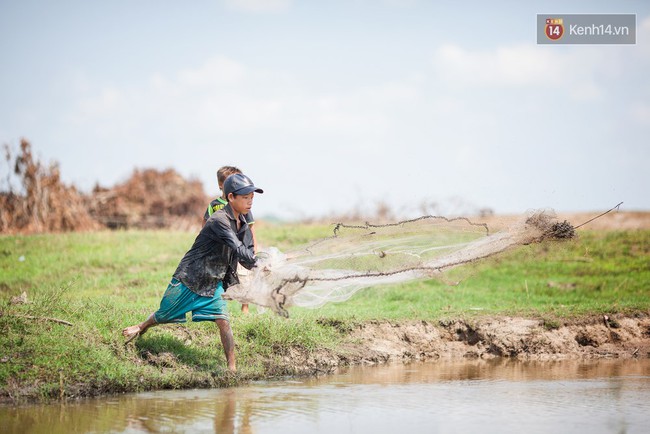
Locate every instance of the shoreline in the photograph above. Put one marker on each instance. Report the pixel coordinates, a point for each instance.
(383, 341)
(377, 342)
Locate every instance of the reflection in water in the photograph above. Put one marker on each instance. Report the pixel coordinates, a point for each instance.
(487, 396)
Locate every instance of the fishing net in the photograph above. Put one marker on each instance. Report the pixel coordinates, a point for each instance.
(360, 256)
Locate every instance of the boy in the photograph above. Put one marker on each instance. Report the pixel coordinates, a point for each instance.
(210, 267)
(223, 173)
(218, 203)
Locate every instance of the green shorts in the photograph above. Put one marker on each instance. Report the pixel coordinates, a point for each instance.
(179, 299)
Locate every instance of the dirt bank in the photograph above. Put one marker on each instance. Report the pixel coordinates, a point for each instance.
(524, 339)
(379, 342)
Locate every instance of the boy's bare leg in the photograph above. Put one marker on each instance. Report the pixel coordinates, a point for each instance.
(139, 329)
(244, 308)
(228, 343)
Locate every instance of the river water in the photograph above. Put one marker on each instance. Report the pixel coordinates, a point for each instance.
(478, 396)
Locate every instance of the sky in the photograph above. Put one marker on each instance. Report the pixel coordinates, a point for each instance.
(334, 106)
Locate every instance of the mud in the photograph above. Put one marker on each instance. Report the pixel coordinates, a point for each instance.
(378, 342)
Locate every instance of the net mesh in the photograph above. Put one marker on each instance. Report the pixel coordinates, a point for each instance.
(366, 255)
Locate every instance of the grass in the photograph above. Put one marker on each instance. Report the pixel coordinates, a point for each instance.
(102, 282)
(597, 273)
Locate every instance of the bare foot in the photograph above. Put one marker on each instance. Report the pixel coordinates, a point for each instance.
(244, 308)
(138, 330)
(232, 369)
(131, 331)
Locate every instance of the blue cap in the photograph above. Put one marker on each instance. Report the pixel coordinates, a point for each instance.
(239, 184)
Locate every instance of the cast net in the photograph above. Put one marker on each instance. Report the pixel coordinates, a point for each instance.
(361, 256)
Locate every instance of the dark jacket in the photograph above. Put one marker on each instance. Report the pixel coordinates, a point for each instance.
(214, 255)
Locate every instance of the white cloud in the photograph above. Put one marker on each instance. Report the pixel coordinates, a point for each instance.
(218, 71)
(223, 96)
(109, 100)
(640, 112)
(505, 66)
(521, 66)
(258, 5)
(643, 34)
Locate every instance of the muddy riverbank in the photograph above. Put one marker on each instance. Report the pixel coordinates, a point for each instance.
(377, 342)
(373, 343)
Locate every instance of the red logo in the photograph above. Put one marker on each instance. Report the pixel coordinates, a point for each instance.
(554, 28)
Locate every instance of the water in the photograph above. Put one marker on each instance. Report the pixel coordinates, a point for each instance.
(499, 396)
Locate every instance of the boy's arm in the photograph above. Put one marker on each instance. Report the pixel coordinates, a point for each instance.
(254, 239)
(251, 225)
(244, 255)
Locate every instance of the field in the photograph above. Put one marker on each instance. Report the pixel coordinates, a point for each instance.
(64, 299)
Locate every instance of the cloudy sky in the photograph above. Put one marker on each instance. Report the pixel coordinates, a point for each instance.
(334, 105)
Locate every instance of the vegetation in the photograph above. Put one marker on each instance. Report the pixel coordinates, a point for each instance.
(101, 282)
(597, 273)
(34, 199)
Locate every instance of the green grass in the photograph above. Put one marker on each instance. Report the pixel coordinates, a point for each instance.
(599, 272)
(102, 282)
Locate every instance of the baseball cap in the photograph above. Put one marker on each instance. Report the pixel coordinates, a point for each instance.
(239, 183)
